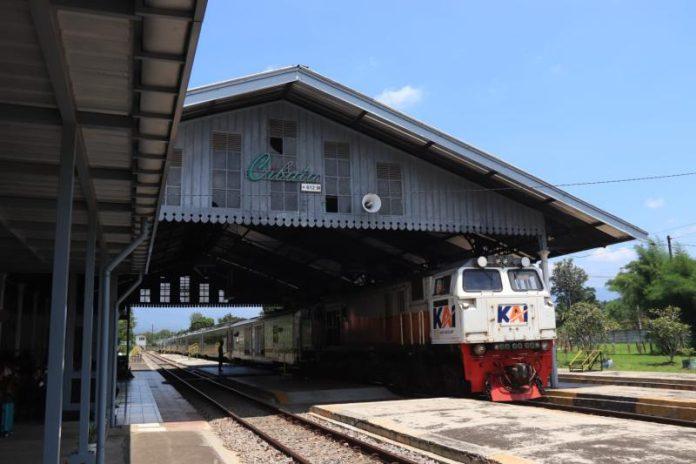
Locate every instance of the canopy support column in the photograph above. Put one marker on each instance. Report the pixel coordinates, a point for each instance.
(83, 455)
(104, 341)
(59, 296)
(544, 255)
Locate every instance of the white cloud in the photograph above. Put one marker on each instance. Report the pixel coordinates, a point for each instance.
(617, 256)
(654, 203)
(400, 98)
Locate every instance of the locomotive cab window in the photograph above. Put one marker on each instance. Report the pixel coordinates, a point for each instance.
(442, 285)
(481, 280)
(522, 280)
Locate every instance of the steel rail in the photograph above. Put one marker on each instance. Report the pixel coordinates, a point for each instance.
(610, 413)
(246, 424)
(365, 447)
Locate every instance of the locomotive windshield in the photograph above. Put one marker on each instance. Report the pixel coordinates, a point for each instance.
(477, 280)
(522, 280)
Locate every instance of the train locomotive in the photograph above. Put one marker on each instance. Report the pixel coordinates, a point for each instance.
(486, 327)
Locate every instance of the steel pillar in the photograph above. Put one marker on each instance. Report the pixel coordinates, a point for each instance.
(34, 316)
(120, 300)
(104, 334)
(20, 312)
(59, 296)
(113, 361)
(3, 282)
(82, 455)
(544, 255)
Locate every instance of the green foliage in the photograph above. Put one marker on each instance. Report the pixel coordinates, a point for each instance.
(667, 331)
(123, 330)
(199, 321)
(229, 318)
(152, 338)
(585, 325)
(568, 287)
(654, 281)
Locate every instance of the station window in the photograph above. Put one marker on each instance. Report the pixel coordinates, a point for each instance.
(204, 293)
(184, 289)
(165, 292)
(389, 188)
(144, 295)
(227, 170)
(173, 187)
(337, 177)
(221, 296)
(282, 145)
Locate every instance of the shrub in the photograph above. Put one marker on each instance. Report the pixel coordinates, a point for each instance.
(667, 330)
(585, 325)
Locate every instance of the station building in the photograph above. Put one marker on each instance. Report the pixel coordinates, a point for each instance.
(118, 188)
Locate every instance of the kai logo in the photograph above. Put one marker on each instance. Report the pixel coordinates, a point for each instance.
(444, 317)
(512, 314)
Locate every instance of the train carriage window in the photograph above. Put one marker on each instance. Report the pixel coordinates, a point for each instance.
(522, 280)
(478, 280)
(442, 285)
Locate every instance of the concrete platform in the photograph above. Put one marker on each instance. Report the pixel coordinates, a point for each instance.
(674, 404)
(156, 425)
(288, 390)
(460, 429)
(668, 380)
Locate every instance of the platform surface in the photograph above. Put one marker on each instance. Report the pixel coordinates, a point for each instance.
(657, 376)
(628, 392)
(456, 428)
(290, 390)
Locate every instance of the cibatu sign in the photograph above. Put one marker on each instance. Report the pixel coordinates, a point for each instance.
(260, 169)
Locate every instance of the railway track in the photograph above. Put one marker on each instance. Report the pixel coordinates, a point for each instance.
(301, 439)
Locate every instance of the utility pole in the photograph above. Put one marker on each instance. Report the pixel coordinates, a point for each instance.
(669, 246)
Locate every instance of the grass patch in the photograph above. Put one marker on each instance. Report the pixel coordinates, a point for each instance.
(626, 358)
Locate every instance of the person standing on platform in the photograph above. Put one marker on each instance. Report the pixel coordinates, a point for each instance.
(221, 356)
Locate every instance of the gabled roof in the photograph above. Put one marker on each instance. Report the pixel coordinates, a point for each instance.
(572, 223)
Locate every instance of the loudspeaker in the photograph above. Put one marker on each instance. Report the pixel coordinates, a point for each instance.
(371, 203)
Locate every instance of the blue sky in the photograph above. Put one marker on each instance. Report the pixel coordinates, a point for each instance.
(570, 91)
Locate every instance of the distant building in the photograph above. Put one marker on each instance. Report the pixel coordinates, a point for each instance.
(140, 340)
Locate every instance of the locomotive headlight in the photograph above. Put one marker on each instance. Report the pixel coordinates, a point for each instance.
(525, 262)
(544, 345)
(480, 349)
(482, 261)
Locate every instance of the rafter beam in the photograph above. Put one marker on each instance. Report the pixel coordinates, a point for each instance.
(51, 42)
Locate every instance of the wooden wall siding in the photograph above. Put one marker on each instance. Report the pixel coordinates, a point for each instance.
(434, 199)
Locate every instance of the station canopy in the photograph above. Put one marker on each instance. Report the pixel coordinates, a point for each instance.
(117, 72)
(280, 259)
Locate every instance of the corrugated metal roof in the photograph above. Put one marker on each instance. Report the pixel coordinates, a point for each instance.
(120, 70)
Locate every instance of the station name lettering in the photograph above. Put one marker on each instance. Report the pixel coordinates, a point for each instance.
(260, 169)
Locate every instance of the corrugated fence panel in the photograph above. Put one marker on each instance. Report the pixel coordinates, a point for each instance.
(433, 199)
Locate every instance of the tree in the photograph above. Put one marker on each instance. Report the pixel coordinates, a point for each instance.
(568, 286)
(229, 318)
(123, 331)
(585, 325)
(199, 321)
(667, 331)
(653, 280)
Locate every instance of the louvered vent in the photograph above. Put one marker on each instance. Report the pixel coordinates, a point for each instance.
(279, 128)
(224, 141)
(388, 171)
(177, 157)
